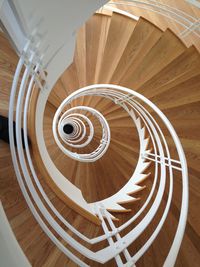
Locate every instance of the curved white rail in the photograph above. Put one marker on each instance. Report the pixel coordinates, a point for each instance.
(105, 140)
(131, 102)
(77, 124)
(190, 23)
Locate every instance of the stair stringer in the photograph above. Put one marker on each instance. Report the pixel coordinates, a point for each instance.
(113, 203)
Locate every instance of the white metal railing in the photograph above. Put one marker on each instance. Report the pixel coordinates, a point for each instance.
(194, 2)
(189, 22)
(131, 102)
(74, 138)
(60, 120)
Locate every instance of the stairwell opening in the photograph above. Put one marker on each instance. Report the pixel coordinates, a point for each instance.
(68, 128)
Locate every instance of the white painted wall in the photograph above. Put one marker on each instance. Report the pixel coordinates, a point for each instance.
(11, 255)
(53, 25)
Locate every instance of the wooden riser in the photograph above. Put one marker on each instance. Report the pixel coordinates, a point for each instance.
(119, 33)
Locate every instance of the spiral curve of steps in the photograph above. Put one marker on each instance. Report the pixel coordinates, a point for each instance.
(112, 49)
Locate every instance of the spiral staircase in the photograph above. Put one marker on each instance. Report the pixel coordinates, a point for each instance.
(103, 179)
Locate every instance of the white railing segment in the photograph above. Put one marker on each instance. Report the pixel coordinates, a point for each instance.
(189, 22)
(194, 2)
(127, 99)
(104, 142)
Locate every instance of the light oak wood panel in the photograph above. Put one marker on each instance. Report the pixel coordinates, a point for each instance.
(181, 69)
(23, 224)
(96, 35)
(120, 30)
(119, 33)
(106, 20)
(93, 42)
(184, 93)
(69, 78)
(65, 85)
(143, 38)
(82, 173)
(34, 242)
(165, 22)
(159, 57)
(80, 56)
(8, 63)
(42, 168)
(58, 94)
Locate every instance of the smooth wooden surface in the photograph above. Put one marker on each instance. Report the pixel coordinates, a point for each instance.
(143, 38)
(38, 160)
(85, 173)
(119, 33)
(166, 22)
(8, 63)
(158, 57)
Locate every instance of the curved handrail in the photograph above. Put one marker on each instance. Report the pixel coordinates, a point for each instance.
(104, 142)
(184, 19)
(127, 99)
(40, 204)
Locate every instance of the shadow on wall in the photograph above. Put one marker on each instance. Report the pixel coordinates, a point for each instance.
(4, 132)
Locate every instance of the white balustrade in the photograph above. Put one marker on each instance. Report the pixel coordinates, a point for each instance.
(31, 69)
(160, 156)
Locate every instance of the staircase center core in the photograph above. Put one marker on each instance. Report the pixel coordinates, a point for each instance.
(68, 128)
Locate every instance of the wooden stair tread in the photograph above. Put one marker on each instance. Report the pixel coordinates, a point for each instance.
(185, 64)
(158, 57)
(184, 93)
(119, 33)
(144, 36)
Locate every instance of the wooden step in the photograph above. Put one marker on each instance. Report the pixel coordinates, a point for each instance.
(97, 28)
(94, 40)
(143, 38)
(8, 63)
(184, 93)
(119, 33)
(80, 56)
(58, 94)
(181, 69)
(167, 48)
(69, 80)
